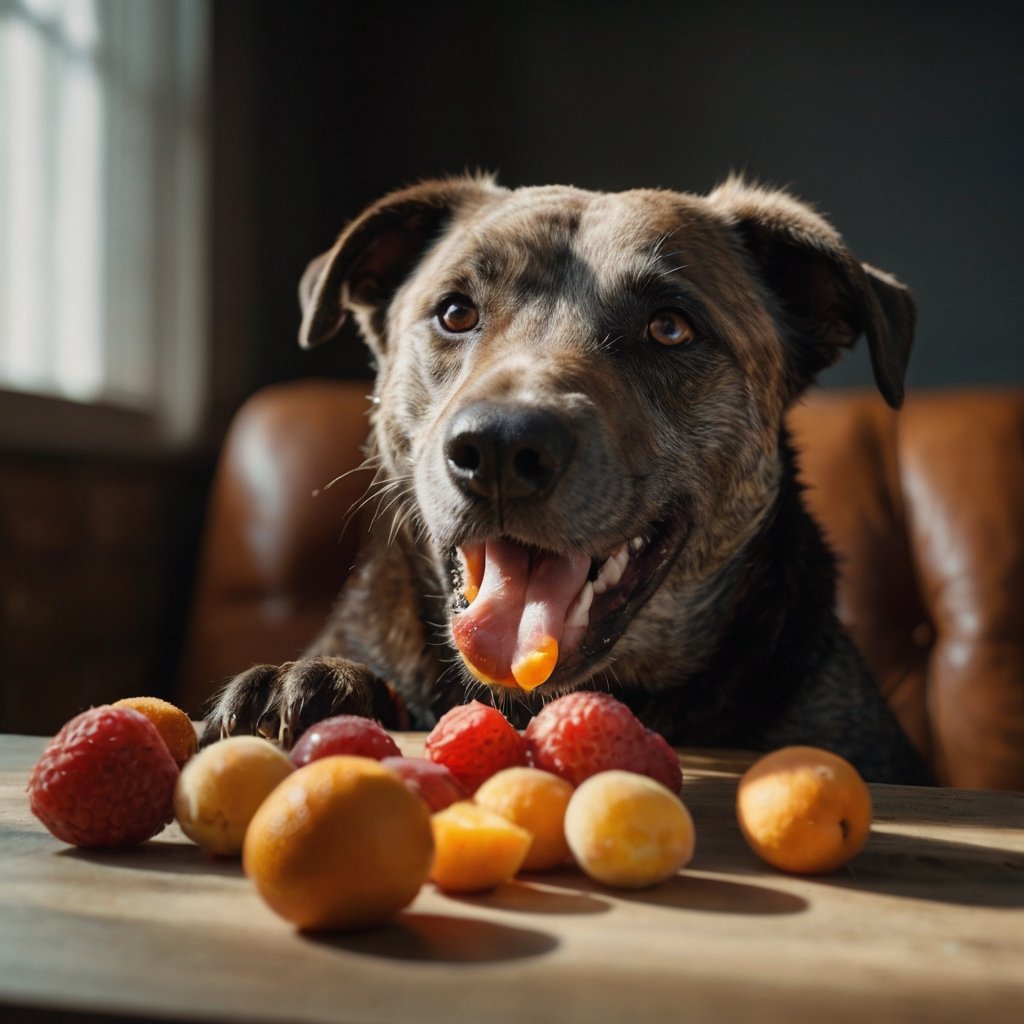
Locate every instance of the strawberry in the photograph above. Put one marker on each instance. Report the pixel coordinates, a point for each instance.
(106, 779)
(473, 741)
(344, 734)
(584, 733)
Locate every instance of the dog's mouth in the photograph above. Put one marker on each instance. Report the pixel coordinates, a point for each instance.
(532, 616)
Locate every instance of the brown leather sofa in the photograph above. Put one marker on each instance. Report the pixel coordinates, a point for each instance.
(925, 510)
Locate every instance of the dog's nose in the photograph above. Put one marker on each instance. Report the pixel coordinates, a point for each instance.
(501, 452)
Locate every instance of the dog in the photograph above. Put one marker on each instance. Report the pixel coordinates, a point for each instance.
(583, 477)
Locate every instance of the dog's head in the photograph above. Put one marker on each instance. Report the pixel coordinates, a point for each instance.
(584, 393)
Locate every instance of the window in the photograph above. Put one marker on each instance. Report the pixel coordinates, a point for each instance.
(103, 261)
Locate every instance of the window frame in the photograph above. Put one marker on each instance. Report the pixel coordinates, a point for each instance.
(175, 412)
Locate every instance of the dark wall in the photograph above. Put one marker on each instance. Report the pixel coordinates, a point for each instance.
(901, 121)
(97, 557)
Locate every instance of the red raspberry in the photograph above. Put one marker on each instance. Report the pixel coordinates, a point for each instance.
(663, 765)
(344, 734)
(584, 733)
(429, 780)
(473, 741)
(106, 779)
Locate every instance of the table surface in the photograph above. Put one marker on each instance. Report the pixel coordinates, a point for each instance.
(926, 924)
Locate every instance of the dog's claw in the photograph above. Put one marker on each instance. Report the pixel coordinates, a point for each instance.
(279, 702)
(268, 727)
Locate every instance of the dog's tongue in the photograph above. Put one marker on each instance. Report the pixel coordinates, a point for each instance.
(510, 633)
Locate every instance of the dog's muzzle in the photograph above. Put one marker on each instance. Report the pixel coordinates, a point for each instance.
(530, 611)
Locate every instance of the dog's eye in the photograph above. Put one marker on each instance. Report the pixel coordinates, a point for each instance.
(667, 327)
(456, 313)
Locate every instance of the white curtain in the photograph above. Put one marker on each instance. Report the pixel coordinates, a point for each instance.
(103, 236)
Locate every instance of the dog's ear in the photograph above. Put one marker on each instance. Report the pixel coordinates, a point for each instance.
(828, 296)
(377, 251)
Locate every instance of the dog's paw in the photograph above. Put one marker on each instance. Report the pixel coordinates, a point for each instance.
(281, 701)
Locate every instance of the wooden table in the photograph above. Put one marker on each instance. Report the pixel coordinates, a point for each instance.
(927, 924)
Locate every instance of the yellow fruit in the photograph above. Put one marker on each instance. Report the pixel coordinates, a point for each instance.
(535, 800)
(475, 848)
(535, 667)
(627, 830)
(804, 810)
(340, 843)
(218, 791)
(175, 727)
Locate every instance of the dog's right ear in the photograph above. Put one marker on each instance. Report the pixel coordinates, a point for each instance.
(377, 251)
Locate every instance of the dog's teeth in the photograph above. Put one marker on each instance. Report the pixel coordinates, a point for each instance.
(621, 558)
(579, 611)
(612, 570)
(637, 544)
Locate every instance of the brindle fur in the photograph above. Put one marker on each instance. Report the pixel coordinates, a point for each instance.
(738, 644)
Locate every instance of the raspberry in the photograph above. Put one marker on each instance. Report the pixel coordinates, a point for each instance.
(473, 741)
(106, 779)
(584, 733)
(663, 764)
(344, 734)
(429, 780)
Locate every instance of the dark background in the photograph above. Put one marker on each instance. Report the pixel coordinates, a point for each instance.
(901, 121)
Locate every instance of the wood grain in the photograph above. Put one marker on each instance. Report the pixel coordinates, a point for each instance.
(927, 924)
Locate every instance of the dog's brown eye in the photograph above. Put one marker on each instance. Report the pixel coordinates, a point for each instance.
(667, 327)
(457, 314)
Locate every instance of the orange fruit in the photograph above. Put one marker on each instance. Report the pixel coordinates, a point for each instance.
(340, 843)
(218, 791)
(804, 810)
(175, 727)
(475, 848)
(627, 830)
(535, 800)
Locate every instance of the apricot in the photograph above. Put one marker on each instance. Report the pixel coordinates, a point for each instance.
(804, 810)
(535, 800)
(627, 830)
(340, 843)
(475, 848)
(219, 789)
(175, 727)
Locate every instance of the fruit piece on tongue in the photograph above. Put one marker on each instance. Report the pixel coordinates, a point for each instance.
(536, 665)
(510, 633)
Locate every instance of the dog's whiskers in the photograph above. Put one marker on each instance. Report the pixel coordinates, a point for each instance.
(395, 488)
(397, 496)
(400, 522)
(377, 489)
(370, 462)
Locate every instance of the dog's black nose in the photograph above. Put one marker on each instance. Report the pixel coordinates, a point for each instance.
(502, 452)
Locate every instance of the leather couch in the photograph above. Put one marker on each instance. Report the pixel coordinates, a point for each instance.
(925, 510)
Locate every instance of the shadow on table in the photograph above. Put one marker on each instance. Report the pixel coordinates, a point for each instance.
(552, 892)
(156, 855)
(940, 870)
(949, 808)
(691, 891)
(437, 938)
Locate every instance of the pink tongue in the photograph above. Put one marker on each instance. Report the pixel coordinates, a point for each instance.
(520, 607)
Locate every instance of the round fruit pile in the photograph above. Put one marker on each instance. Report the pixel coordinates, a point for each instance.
(345, 830)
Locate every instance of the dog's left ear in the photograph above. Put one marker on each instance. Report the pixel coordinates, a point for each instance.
(377, 251)
(828, 296)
